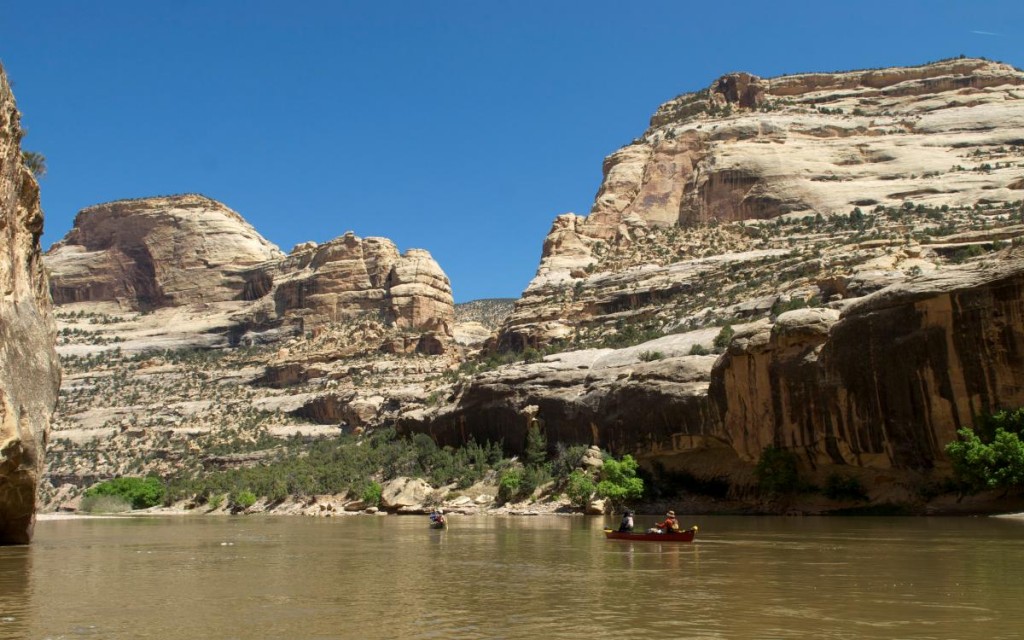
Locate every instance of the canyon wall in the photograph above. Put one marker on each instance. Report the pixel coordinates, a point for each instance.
(29, 370)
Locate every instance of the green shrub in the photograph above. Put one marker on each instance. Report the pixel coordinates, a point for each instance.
(35, 161)
(140, 493)
(510, 484)
(580, 488)
(567, 459)
(536, 452)
(104, 504)
(651, 356)
(776, 472)
(215, 501)
(698, 350)
(839, 487)
(372, 493)
(992, 457)
(618, 479)
(243, 499)
(724, 337)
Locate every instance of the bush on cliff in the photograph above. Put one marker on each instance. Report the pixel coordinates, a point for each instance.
(992, 455)
(140, 493)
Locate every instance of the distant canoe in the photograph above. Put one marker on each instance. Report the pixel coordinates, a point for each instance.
(682, 536)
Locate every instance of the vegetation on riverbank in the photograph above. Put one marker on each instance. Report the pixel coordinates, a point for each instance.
(358, 466)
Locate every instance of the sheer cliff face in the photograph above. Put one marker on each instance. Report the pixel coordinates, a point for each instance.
(887, 383)
(755, 150)
(29, 370)
(156, 252)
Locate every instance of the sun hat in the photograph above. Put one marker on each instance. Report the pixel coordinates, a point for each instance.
(671, 513)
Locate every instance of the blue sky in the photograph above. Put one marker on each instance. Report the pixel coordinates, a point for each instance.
(460, 127)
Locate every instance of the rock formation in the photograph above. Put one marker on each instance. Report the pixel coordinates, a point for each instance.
(748, 151)
(829, 264)
(351, 277)
(853, 195)
(156, 252)
(176, 251)
(879, 387)
(29, 371)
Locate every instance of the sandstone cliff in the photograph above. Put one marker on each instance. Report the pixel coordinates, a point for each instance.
(842, 240)
(156, 252)
(719, 169)
(828, 264)
(29, 371)
(189, 250)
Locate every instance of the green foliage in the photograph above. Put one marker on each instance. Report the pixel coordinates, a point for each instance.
(372, 494)
(104, 504)
(243, 499)
(567, 458)
(776, 472)
(140, 493)
(580, 488)
(724, 337)
(839, 487)
(345, 464)
(618, 479)
(536, 452)
(964, 254)
(215, 501)
(782, 307)
(35, 161)
(651, 356)
(698, 350)
(992, 457)
(510, 484)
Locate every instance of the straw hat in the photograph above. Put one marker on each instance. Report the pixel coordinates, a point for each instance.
(671, 513)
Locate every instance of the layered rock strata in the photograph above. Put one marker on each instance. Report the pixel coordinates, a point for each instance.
(156, 252)
(350, 277)
(177, 251)
(879, 387)
(747, 150)
(29, 370)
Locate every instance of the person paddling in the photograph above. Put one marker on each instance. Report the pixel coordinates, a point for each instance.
(669, 525)
(437, 519)
(627, 521)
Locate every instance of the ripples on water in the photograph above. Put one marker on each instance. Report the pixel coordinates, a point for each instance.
(490, 577)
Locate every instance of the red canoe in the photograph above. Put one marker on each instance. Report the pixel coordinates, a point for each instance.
(683, 536)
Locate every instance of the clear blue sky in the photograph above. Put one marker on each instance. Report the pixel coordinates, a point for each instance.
(460, 127)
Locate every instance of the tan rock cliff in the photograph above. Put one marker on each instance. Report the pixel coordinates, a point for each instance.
(177, 251)
(29, 371)
(155, 252)
(747, 151)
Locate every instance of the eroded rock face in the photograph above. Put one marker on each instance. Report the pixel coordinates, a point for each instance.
(752, 150)
(156, 252)
(185, 250)
(880, 386)
(350, 277)
(887, 383)
(29, 370)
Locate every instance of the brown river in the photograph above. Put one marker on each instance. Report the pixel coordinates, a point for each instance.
(172, 578)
